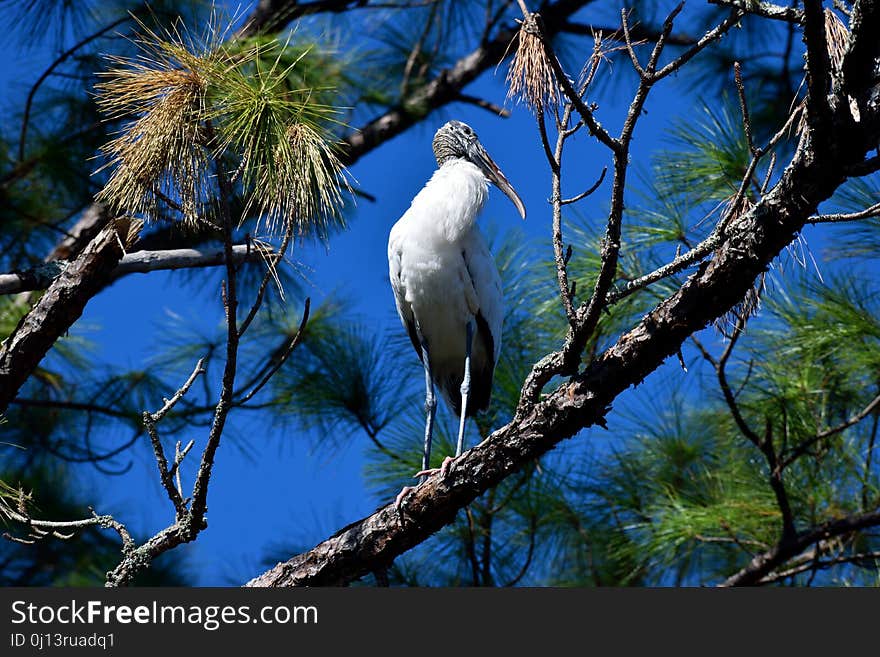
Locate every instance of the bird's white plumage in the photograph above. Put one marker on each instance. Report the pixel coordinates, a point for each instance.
(443, 274)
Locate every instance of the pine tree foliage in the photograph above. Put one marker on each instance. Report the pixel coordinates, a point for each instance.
(764, 428)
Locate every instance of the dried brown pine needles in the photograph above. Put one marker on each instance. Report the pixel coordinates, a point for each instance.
(205, 111)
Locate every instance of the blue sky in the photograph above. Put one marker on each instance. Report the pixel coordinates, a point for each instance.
(271, 487)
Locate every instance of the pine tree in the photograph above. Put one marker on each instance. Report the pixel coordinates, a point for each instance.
(749, 459)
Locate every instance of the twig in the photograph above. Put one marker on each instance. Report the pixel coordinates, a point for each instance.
(489, 106)
(530, 552)
(150, 421)
(55, 64)
(867, 213)
(744, 107)
(417, 50)
(713, 240)
(588, 192)
(554, 159)
(179, 455)
(271, 264)
(769, 174)
(624, 22)
(819, 564)
(294, 342)
(55, 528)
(804, 446)
(638, 33)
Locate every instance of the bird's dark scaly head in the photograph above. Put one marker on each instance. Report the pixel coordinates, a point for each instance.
(457, 140)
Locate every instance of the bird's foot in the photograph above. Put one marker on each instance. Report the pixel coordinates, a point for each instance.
(443, 469)
(424, 474)
(398, 501)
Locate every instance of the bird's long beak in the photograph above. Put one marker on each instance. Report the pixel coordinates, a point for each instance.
(480, 157)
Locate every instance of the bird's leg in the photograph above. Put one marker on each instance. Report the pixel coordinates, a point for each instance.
(430, 409)
(465, 385)
(465, 390)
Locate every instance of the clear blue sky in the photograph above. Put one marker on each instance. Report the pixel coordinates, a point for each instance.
(269, 487)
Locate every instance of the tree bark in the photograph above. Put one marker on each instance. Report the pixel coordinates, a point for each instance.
(57, 310)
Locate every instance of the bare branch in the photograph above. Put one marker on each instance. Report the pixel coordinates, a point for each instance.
(272, 262)
(638, 33)
(588, 192)
(707, 39)
(624, 21)
(715, 238)
(43, 528)
(767, 562)
(788, 14)
(41, 277)
(744, 107)
(805, 446)
(199, 504)
(487, 105)
(867, 213)
(150, 421)
(294, 342)
(821, 564)
(565, 291)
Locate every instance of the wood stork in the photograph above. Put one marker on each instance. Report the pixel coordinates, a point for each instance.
(446, 286)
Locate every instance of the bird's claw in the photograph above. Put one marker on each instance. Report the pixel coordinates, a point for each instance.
(401, 496)
(443, 469)
(406, 490)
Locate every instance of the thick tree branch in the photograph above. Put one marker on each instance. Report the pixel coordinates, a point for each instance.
(57, 310)
(448, 84)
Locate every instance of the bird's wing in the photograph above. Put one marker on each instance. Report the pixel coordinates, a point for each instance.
(398, 286)
(486, 284)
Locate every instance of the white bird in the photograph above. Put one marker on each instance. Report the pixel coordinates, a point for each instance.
(446, 286)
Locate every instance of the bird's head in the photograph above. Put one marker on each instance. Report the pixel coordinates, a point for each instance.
(457, 140)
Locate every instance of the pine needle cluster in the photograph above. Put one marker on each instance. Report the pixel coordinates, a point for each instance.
(531, 77)
(210, 115)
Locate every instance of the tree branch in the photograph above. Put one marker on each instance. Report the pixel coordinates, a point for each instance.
(867, 213)
(765, 563)
(41, 277)
(448, 84)
(58, 309)
(803, 447)
(150, 421)
(788, 14)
